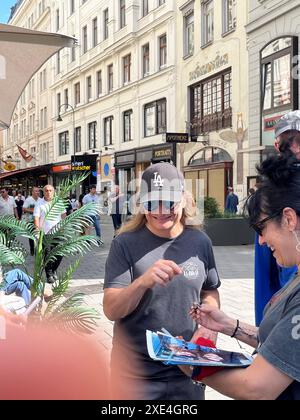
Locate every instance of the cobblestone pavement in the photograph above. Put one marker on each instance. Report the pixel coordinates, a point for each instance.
(235, 265)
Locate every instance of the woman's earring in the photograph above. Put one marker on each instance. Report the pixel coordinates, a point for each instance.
(297, 240)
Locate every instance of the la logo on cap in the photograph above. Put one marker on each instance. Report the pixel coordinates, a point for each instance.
(158, 181)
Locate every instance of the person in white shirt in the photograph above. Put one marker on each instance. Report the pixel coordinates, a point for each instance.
(40, 223)
(28, 209)
(8, 206)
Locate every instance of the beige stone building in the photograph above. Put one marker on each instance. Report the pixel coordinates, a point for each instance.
(114, 92)
(273, 43)
(212, 95)
(31, 126)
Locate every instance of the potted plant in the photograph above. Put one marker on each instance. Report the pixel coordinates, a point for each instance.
(65, 240)
(225, 228)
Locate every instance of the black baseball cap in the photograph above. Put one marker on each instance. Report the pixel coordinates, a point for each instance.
(163, 182)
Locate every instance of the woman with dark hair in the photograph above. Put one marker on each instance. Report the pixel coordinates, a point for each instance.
(274, 212)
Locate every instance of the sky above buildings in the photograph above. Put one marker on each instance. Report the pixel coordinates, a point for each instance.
(5, 6)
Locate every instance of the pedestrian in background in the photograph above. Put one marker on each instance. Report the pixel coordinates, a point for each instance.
(232, 202)
(46, 225)
(28, 209)
(8, 205)
(19, 203)
(93, 197)
(157, 267)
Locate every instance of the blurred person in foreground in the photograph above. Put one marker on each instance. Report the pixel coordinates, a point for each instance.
(274, 213)
(158, 265)
(269, 276)
(42, 363)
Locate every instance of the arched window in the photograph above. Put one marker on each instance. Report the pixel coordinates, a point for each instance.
(210, 155)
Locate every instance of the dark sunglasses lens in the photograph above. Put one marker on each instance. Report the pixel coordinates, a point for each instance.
(154, 205)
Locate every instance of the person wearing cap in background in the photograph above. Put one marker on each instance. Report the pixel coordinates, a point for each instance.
(269, 276)
(158, 265)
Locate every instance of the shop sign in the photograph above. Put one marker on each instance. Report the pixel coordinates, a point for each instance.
(269, 123)
(177, 137)
(165, 153)
(219, 61)
(61, 168)
(83, 163)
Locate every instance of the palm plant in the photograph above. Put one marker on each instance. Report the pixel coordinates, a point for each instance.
(64, 240)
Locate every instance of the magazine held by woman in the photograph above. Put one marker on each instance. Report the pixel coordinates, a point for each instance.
(174, 351)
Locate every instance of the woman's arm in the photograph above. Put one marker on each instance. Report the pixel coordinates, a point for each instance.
(118, 303)
(260, 381)
(213, 319)
(208, 297)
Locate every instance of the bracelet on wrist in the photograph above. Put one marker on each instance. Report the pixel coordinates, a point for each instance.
(236, 328)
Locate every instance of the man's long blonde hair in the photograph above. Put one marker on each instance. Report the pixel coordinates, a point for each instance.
(190, 216)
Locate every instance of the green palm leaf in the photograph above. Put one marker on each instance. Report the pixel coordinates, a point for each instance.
(61, 286)
(78, 245)
(13, 227)
(77, 320)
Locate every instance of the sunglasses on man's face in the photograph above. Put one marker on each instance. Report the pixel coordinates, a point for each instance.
(154, 205)
(260, 225)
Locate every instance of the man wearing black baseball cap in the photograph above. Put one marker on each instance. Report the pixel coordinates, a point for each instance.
(269, 277)
(157, 267)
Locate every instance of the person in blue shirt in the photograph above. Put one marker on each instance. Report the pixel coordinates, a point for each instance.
(232, 202)
(269, 276)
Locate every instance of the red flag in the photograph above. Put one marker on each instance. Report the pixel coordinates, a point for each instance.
(24, 154)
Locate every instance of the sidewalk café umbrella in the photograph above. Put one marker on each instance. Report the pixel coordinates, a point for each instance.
(22, 53)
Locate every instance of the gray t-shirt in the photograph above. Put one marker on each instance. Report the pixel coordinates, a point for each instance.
(279, 336)
(132, 254)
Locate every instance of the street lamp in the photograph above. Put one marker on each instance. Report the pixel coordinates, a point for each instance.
(59, 119)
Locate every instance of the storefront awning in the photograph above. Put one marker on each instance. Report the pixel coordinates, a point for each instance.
(25, 171)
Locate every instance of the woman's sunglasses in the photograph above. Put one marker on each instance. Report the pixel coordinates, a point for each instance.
(154, 205)
(260, 225)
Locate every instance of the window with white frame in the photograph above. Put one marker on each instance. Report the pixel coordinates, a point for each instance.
(99, 83)
(126, 68)
(127, 125)
(44, 152)
(88, 88)
(162, 51)
(77, 139)
(146, 60)
(108, 131)
(122, 13)
(92, 135)
(58, 103)
(57, 22)
(63, 143)
(105, 24)
(95, 32)
(145, 7)
(229, 15)
(77, 93)
(66, 96)
(58, 69)
(110, 77)
(279, 87)
(72, 6)
(188, 37)
(207, 21)
(155, 118)
(84, 40)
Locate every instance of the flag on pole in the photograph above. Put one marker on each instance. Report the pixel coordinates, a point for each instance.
(24, 154)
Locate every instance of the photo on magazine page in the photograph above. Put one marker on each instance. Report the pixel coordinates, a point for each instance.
(174, 351)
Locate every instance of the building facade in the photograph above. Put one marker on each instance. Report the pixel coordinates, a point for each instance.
(112, 95)
(273, 44)
(31, 126)
(212, 95)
